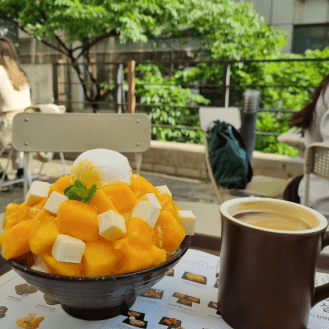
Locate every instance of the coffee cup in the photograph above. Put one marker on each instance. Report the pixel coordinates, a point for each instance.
(267, 267)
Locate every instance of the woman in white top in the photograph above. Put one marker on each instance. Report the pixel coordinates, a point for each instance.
(314, 120)
(14, 97)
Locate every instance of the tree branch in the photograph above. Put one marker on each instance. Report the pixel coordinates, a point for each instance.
(81, 78)
(87, 47)
(90, 73)
(61, 43)
(104, 92)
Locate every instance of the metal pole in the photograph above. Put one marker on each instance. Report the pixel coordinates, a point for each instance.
(224, 84)
(227, 85)
(249, 119)
(120, 79)
(55, 82)
(69, 87)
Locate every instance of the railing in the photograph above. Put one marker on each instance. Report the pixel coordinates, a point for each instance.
(223, 93)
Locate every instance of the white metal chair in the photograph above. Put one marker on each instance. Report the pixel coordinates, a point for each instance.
(43, 157)
(317, 163)
(262, 186)
(75, 132)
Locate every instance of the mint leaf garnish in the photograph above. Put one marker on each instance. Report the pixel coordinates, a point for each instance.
(67, 189)
(73, 196)
(79, 185)
(91, 194)
(79, 192)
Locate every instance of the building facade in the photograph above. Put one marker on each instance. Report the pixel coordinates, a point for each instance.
(306, 21)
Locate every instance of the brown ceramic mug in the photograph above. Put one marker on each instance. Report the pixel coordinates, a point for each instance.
(267, 275)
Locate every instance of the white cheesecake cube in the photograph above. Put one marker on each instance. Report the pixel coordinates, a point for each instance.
(151, 197)
(163, 189)
(68, 249)
(37, 191)
(111, 225)
(188, 221)
(40, 265)
(54, 201)
(146, 211)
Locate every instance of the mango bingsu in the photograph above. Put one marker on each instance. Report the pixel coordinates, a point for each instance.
(100, 220)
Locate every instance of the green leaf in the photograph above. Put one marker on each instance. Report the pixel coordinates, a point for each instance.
(91, 194)
(79, 192)
(67, 189)
(78, 184)
(73, 196)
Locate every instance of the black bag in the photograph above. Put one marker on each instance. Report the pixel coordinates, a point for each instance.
(228, 157)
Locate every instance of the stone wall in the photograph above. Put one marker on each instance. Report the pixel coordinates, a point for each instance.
(188, 160)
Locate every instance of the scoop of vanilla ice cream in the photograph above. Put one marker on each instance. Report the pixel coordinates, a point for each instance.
(101, 167)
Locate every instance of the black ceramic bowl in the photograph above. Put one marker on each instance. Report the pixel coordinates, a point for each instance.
(97, 298)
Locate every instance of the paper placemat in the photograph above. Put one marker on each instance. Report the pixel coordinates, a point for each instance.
(186, 297)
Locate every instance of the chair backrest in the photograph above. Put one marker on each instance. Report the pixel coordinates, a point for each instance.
(230, 115)
(317, 163)
(75, 132)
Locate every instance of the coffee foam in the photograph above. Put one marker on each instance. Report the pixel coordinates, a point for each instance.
(279, 208)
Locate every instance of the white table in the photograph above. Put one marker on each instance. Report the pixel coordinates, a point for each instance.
(207, 231)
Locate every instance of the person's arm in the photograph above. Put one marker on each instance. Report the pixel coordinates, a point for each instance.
(324, 127)
(6, 92)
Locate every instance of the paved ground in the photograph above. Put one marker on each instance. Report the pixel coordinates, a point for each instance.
(182, 189)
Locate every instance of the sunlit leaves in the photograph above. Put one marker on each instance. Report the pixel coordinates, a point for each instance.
(155, 86)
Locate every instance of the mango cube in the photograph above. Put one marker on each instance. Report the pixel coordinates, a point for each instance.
(134, 258)
(99, 258)
(101, 202)
(159, 255)
(140, 186)
(167, 203)
(62, 183)
(16, 241)
(169, 231)
(10, 209)
(43, 235)
(18, 216)
(139, 233)
(78, 219)
(122, 196)
(61, 268)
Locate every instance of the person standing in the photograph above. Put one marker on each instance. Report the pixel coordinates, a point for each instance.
(14, 98)
(313, 119)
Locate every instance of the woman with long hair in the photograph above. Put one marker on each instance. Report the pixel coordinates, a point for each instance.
(313, 119)
(14, 98)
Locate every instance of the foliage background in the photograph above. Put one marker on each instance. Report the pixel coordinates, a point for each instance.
(284, 85)
(229, 30)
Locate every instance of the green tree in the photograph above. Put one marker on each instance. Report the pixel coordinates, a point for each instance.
(158, 87)
(229, 29)
(88, 22)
